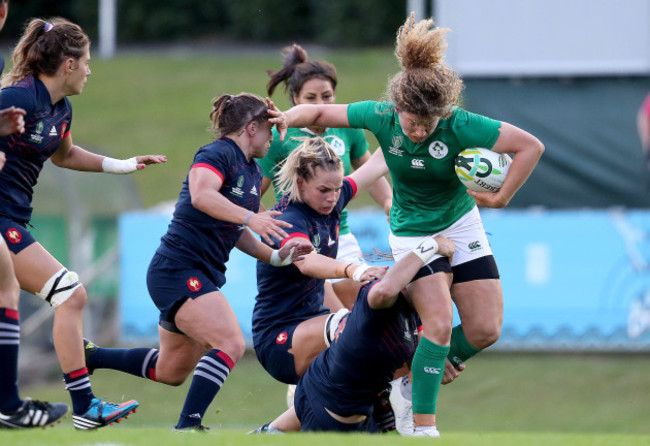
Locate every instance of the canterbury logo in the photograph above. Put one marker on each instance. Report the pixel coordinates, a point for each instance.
(432, 370)
(474, 246)
(417, 163)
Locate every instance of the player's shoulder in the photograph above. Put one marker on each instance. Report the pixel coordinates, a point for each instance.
(22, 94)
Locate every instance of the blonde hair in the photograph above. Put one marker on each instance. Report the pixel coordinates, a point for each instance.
(302, 162)
(426, 86)
(44, 46)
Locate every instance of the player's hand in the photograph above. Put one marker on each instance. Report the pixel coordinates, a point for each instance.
(451, 372)
(268, 227)
(489, 199)
(12, 121)
(145, 160)
(446, 247)
(374, 273)
(278, 118)
(3, 159)
(300, 247)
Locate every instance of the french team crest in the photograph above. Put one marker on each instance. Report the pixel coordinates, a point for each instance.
(194, 284)
(14, 236)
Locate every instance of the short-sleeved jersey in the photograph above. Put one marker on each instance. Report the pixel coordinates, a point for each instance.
(427, 196)
(197, 239)
(370, 345)
(46, 124)
(349, 144)
(285, 295)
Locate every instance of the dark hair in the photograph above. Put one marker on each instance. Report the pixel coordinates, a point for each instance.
(231, 113)
(297, 69)
(44, 45)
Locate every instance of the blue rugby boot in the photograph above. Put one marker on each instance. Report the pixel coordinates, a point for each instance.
(101, 413)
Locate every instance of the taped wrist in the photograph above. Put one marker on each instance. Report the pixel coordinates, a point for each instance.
(427, 249)
(121, 167)
(275, 259)
(356, 276)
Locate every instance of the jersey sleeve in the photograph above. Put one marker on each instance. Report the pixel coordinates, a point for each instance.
(300, 226)
(218, 161)
(270, 162)
(370, 115)
(359, 144)
(476, 130)
(17, 97)
(348, 192)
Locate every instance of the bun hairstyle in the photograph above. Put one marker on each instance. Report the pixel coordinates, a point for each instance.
(231, 113)
(298, 69)
(426, 86)
(44, 45)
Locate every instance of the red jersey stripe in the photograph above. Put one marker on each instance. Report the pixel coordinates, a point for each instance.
(207, 166)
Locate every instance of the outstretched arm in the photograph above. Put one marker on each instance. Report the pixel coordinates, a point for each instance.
(371, 172)
(74, 157)
(307, 115)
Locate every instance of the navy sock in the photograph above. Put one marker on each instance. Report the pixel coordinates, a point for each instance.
(135, 361)
(209, 375)
(9, 341)
(78, 384)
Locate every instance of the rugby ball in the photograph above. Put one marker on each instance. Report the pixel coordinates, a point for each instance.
(482, 170)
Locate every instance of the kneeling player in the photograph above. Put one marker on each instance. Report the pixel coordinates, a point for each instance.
(380, 334)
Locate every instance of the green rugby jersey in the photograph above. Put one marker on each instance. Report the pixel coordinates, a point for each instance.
(349, 144)
(427, 195)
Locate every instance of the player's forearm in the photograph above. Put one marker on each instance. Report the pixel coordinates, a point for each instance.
(77, 158)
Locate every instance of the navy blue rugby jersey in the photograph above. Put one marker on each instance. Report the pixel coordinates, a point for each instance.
(46, 124)
(197, 239)
(369, 346)
(286, 296)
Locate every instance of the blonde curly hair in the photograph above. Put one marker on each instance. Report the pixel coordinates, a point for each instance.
(426, 86)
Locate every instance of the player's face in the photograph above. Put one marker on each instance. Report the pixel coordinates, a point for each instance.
(78, 75)
(417, 128)
(316, 91)
(262, 139)
(322, 191)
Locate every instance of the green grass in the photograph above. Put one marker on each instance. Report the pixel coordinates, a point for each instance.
(153, 102)
(498, 395)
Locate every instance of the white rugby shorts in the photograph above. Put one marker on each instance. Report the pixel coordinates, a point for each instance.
(467, 233)
(349, 251)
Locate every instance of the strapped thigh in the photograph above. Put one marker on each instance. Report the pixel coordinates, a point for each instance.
(59, 287)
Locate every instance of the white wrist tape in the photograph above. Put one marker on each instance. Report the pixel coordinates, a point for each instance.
(275, 259)
(112, 165)
(356, 276)
(427, 249)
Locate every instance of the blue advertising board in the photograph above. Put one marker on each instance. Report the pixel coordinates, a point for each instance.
(571, 279)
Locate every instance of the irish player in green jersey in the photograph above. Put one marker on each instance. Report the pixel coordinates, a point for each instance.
(314, 82)
(421, 130)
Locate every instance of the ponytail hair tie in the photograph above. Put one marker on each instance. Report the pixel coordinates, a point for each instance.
(48, 26)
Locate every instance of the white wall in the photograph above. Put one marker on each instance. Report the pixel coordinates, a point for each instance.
(546, 37)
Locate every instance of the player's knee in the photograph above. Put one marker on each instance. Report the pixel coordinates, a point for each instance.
(64, 287)
(437, 329)
(483, 336)
(234, 348)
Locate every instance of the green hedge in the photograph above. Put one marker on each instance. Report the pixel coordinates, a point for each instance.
(334, 22)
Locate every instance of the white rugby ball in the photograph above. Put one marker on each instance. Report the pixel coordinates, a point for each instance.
(482, 170)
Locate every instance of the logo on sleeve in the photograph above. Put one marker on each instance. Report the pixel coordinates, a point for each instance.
(14, 236)
(438, 150)
(194, 284)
